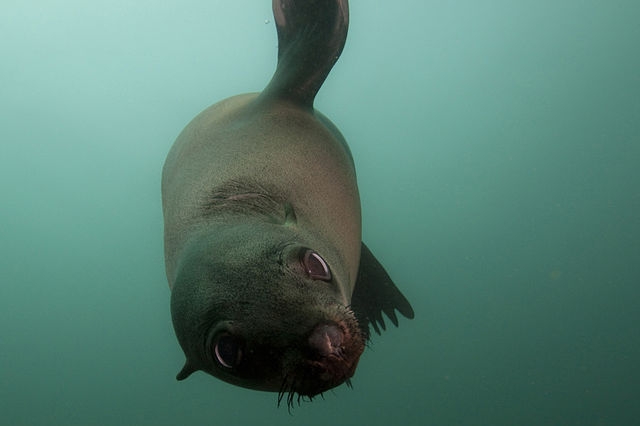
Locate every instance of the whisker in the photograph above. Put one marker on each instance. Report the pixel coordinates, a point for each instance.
(283, 390)
(290, 397)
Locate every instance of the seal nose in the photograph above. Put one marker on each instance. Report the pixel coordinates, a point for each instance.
(326, 340)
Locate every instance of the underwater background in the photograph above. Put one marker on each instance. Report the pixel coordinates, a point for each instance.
(497, 145)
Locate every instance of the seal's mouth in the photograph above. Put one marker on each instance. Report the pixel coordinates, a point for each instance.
(331, 359)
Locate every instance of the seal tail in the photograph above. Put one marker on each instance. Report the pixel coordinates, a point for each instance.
(311, 36)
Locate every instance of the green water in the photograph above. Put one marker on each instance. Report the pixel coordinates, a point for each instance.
(498, 152)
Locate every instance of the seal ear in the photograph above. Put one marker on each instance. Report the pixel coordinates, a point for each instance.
(185, 372)
(375, 293)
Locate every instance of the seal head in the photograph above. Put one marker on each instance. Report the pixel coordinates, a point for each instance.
(254, 305)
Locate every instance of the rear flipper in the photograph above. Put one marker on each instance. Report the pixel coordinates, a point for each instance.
(311, 36)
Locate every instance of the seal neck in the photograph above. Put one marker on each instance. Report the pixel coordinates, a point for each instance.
(311, 36)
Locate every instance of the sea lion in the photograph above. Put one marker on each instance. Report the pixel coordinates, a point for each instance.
(271, 286)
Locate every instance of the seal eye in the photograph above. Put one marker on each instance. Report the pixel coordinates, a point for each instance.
(315, 266)
(227, 351)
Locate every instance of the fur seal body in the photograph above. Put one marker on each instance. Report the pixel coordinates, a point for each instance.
(271, 286)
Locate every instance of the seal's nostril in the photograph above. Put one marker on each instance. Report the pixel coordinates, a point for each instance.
(327, 339)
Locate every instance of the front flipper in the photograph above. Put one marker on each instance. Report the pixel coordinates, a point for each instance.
(376, 293)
